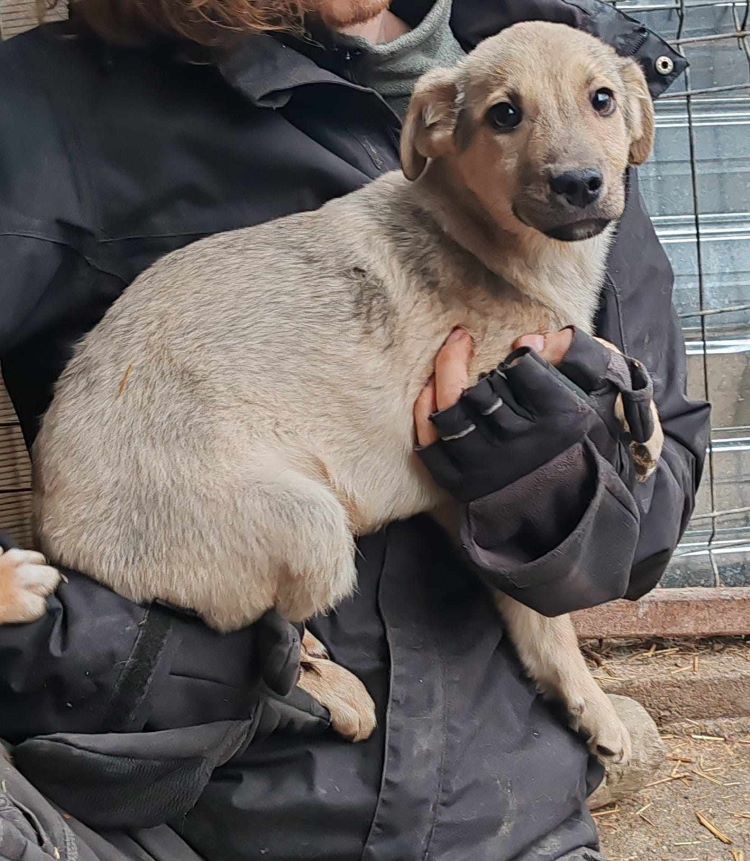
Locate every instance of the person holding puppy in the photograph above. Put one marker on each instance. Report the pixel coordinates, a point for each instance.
(149, 126)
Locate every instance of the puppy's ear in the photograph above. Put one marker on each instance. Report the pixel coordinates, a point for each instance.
(639, 112)
(430, 121)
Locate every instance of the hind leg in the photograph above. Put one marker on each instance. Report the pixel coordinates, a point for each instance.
(350, 706)
(287, 545)
(284, 542)
(315, 548)
(549, 651)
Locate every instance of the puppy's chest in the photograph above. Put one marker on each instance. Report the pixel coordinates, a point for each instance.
(494, 310)
(495, 325)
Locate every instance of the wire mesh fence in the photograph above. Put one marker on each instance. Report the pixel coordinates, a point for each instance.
(698, 190)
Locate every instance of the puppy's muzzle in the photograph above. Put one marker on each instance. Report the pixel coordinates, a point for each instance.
(568, 205)
(575, 231)
(578, 193)
(577, 188)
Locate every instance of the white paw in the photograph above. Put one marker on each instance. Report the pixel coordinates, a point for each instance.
(341, 692)
(25, 582)
(607, 737)
(644, 460)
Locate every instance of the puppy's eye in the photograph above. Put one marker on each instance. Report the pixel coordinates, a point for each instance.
(504, 116)
(603, 101)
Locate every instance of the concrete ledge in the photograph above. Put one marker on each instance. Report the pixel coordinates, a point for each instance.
(689, 612)
(688, 683)
(717, 692)
(729, 728)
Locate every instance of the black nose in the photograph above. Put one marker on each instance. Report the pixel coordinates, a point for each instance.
(578, 187)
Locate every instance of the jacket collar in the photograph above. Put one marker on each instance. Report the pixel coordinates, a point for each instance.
(267, 69)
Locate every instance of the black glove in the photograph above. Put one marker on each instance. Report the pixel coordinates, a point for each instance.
(286, 708)
(527, 412)
(603, 375)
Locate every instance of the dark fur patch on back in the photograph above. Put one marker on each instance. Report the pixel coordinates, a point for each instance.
(372, 304)
(415, 251)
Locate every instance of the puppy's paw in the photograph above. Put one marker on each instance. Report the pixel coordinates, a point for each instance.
(607, 736)
(646, 455)
(612, 744)
(342, 693)
(645, 465)
(25, 582)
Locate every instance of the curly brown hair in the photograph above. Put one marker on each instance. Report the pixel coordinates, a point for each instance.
(204, 22)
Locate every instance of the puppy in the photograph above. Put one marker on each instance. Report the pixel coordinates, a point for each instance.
(217, 444)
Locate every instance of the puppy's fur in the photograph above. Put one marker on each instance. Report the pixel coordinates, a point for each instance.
(245, 408)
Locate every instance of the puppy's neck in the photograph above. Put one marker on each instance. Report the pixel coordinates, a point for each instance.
(553, 273)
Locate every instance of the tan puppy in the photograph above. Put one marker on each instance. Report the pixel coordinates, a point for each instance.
(245, 408)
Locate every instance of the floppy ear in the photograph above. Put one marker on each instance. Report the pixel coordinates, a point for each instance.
(639, 112)
(430, 121)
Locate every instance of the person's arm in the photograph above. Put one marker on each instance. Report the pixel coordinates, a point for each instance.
(637, 315)
(90, 663)
(551, 513)
(53, 672)
(101, 695)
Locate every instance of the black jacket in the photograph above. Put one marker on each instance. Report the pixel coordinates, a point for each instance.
(109, 158)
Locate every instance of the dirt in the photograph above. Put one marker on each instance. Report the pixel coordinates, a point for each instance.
(710, 777)
(705, 782)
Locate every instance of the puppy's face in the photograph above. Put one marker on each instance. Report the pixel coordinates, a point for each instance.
(539, 124)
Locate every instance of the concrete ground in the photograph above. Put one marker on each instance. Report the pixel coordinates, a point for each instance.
(697, 806)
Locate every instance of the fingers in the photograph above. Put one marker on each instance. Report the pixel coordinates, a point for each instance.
(551, 346)
(446, 386)
(556, 345)
(424, 407)
(452, 368)
(278, 644)
(533, 342)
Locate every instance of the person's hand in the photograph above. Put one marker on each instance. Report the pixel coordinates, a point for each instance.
(451, 376)
(552, 394)
(552, 346)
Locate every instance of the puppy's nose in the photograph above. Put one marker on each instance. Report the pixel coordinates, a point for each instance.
(578, 187)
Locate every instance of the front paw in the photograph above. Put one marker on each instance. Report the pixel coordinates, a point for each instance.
(341, 692)
(25, 582)
(645, 455)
